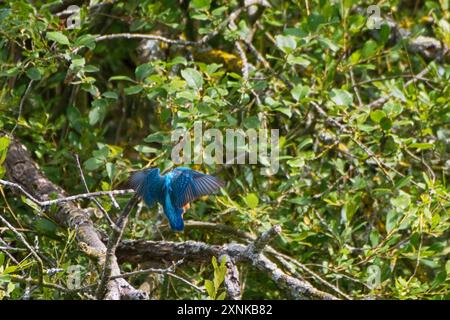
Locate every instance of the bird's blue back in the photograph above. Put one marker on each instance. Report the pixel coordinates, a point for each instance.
(173, 190)
(173, 213)
(149, 185)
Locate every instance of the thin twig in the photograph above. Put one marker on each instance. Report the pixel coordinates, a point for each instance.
(381, 101)
(245, 66)
(113, 241)
(147, 271)
(29, 247)
(10, 256)
(22, 101)
(200, 42)
(358, 96)
(17, 278)
(8, 248)
(64, 199)
(258, 245)
(186, 281)
(97, 203)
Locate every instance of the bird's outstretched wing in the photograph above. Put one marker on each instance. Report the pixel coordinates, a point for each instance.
(188, 185)
(148, 184)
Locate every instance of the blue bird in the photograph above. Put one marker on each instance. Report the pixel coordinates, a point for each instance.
(174, 190)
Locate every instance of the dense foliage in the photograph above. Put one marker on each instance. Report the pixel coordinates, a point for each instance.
(361, 192)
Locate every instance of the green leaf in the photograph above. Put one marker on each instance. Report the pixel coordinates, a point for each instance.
(95, 115)
(91, 68)
(377, 115)
(369, 49)
(402, 201)
(403, 182)
(214, 263)
(34, 74)
(421, 145)
(293, 60)
(221, 296)
(205, 108)
(439, 279)
(118, 78)
(57, 37)
(385, 123)
(98, 112)
(4, 144)
(178, 60)
(251, 200)
(93, 164)
(329, 44)
(392, 109)
(391, 219)
(133, 90)
(299, 92)
(209, 286)
(341, 97)
(193, 78)
(286, 111)
(45, 226)
(102, 153)
(86, 40)
(351, 206)
(143, 71)
(155, 137)
(146, 149)
(77, 63)
(110, 170)
(110, 95)
(252, 122)
(385, 31)
(200, 4)
(287, 44)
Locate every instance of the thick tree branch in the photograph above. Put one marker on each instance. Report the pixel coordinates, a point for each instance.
(23, 171)
(200, 252)
(110, 259)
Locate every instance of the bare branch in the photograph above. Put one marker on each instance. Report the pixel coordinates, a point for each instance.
(186, 281)
(60, 200)
(113, 241)
(105, 214)
(29, 247)
(17, 278)
(200, 252)
(148, 270)
(258, 245)
(25, 95)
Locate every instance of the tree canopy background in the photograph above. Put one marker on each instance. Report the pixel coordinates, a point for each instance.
(362, 106)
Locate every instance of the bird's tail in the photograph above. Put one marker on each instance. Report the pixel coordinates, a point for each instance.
(174, 215)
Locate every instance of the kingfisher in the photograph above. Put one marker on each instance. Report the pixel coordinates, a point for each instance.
(174, 190)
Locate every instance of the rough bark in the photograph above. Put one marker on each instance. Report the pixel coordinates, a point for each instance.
(200, 252)
(21, 169)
